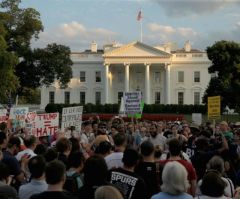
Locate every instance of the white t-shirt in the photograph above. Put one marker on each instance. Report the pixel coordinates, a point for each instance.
(159, 140)
(114, 160)
(26, 151)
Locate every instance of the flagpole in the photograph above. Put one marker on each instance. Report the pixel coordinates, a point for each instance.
(141, 33)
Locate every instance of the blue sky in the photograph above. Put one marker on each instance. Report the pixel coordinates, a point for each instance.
(78, 22)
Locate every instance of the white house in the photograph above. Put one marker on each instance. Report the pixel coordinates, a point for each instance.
(162, 75)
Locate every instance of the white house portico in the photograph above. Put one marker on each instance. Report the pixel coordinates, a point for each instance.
(162, 75)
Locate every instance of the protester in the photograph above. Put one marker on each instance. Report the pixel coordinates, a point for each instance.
(55, 178)
(126, 180)
(107, 192)
(175, 182)
(36, 166)
(63, 147)
(6, 191)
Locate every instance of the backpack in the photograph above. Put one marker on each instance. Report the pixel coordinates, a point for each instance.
(71, 183)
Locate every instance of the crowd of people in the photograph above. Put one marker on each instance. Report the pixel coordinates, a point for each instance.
(122, 160)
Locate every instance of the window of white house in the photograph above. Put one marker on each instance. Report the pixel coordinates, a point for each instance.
(196, 98)
(157, 77)
(98, 97)
(196, 76)
(120, 95)
(67, 97)
(180, 97)
(51, 97)
(82, 97)
(180, 76)
(157, 97)
(120, 77)
(139, 77)
(98, 76)
(82, 76)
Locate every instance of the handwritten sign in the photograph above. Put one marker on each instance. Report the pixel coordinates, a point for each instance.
(72, 116)
(132, 102)
(18, 116)
(214, 107)
(3, 115)
(45, 124)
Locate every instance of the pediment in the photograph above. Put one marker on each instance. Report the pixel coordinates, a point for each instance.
(136, 49)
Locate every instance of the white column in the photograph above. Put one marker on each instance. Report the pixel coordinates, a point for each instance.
(126, 77)
(167, 84)
(106, 71)
(147, 83)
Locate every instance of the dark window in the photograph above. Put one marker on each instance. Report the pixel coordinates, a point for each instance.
(67, 97)
(196, 76)
(196, 98)
(98, 97)
(82, 97)
(120, 95)
(157, 97)
(51, 97)
(98, 76)
(180, 97)
(82, 76)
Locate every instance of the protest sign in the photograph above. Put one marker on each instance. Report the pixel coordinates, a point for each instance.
(132, 102)
(45, 124)
(30, 120)
(18, 116)
(3, 115)
(72, 116)
(214, 107)
(197, 118)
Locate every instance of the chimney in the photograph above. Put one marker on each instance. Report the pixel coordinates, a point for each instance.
(94, 47)
(187, 46)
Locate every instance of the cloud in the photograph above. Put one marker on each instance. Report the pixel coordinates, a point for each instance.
(75, 35)
(181, 8)
(170, 31)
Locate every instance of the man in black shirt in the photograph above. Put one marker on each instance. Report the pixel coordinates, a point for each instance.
(55, 178)
(131, 185)
(148, 169)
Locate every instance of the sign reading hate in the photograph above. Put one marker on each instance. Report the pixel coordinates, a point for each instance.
(72, 116)
(45, 124)
(132, 102)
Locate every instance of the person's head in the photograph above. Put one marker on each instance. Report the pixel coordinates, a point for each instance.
(130, 157)
(108, 192)
(223, 126)
(4, 172)
(114, 130)
(3, 140)
(174, 129)
(36, 166)
(147, 148)
(121, 128)
(216, 163)
(202, 144)
(143, 130)
(120, 139)
(104, 148)
(3, 127)
(174, 178)
(153, 130)
(31, 142)
(51, 155)
(63, 145)
(174, 147)
(130, 127)
(212, 184)
(76, 160)
(40, 149)
(87, 126)
(95, 171)
(55, 173)
(14, 145)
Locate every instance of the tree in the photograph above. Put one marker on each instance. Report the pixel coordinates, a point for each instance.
(35, 67)
(225, 57)
(8, 81)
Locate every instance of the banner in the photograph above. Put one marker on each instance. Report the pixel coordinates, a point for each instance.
(132, 102)
(45, 124)
(214, 104)
(72, 116)
(18, 116)
(3, 115)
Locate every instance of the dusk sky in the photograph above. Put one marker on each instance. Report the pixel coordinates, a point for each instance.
(78, 22)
